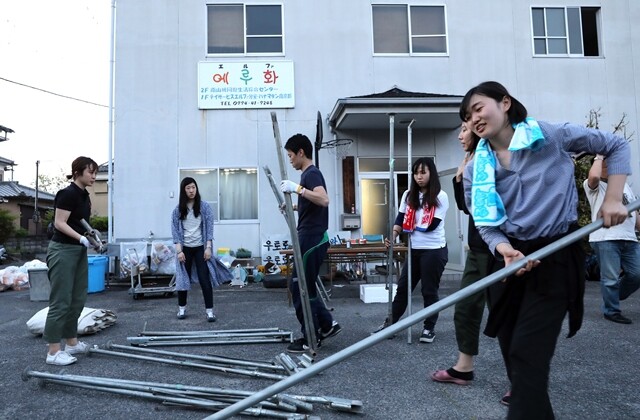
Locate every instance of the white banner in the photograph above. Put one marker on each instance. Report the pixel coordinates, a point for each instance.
(239, 85)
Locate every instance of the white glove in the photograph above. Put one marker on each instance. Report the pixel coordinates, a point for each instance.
(84, 241)
(287, 186)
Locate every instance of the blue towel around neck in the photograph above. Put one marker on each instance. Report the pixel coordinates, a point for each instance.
(487, 208)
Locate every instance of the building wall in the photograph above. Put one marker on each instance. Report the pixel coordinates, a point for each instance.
(159, 128)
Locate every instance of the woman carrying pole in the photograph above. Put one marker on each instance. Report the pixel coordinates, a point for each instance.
(522, 195)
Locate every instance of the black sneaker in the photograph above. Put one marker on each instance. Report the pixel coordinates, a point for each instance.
(384, 325)
(427, 336)
(618, 318)
(333, 331)
(300, 346)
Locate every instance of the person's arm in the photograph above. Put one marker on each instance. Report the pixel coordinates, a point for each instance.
(317, 196)
(397, 230)
(458, 194)
(60, 223)
(207, 235)
(612, 211)
(175, 234)
(593, 179)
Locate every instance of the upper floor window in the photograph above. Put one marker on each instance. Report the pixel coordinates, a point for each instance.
(244, 29)
(405, 29)
(231, 192)
(565, 31)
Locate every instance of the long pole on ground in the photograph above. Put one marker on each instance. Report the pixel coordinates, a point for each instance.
(409, 271)
(392, 214)
(297, 255)
(410, 320)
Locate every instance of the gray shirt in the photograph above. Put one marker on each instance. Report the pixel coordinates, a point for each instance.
(538, 191)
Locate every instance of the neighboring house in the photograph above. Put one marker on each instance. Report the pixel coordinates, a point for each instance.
(20, 202)
(6, 165)
(195, 82)
(98, 193)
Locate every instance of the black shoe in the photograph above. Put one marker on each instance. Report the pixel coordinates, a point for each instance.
(333, 331)
(300, 346)
(506, 400)
(384, 325)
(618, 317)
(427, 336)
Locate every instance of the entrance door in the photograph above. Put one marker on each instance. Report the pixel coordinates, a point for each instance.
(374, 199)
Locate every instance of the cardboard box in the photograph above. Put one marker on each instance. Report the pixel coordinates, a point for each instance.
(375, 293)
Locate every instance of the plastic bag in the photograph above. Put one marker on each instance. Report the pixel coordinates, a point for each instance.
(239, 276)
(163, 257)
(133, 257)
(90, 321)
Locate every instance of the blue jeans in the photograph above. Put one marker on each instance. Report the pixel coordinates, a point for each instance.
(614, 256)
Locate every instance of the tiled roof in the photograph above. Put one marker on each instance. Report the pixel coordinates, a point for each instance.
(9, 189)
(396, 92)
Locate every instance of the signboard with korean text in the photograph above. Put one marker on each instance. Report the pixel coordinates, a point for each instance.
(272, 244)
(240, 85)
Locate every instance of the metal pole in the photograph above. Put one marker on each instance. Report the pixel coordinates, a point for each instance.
(216, 368)
(36, 213)
(409, 272)
(412, 319)
(112, 65)
(210, 358)
(392, 214)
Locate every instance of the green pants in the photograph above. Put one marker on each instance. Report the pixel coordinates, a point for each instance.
(68, 276)
(468, 313)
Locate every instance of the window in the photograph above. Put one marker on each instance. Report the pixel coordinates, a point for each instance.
(404, 29)
(231, 192)
(244, 29)
(565, 31)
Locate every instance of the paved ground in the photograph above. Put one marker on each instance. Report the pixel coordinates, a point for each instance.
(594, 376)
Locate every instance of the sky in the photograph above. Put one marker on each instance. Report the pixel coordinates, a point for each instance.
(60, 47)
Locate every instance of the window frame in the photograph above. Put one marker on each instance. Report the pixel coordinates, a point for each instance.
(215, 203)
(412, 36)
(567, 36)
(245, 36)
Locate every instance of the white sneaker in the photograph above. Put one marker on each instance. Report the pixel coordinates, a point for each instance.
(61, 358)
(182, 312)
(79, 348)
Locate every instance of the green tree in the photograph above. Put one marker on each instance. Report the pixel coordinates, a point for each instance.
(51, 183)
(7, 229)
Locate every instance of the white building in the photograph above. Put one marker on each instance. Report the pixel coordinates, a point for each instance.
(196, 80)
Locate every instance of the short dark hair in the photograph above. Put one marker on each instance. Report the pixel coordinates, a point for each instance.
(297, 142)
(80, 164)
(494, 90)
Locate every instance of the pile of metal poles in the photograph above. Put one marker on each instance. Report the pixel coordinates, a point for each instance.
(286, 406)
(199, 338)
(282, 367)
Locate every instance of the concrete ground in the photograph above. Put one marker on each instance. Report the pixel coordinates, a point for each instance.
(594, 375)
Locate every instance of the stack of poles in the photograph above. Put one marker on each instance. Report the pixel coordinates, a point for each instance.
(419, 316)
(278, 406)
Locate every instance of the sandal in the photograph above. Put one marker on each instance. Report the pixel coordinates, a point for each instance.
(506, 399)
(452, 376)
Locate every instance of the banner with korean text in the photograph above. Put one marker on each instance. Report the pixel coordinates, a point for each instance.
(240, 85)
